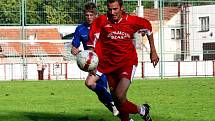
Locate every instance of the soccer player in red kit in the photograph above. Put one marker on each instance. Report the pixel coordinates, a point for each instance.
(111, 36)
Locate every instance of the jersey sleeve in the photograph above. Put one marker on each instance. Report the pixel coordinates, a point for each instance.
(76, 42)
(143, 25)
(94, 32)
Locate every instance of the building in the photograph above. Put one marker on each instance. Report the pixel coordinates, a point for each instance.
(187, 32)
(37, 41)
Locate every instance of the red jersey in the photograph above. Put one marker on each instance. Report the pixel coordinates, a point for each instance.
(114, 41)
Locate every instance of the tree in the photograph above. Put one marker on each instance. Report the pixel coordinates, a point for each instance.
(47, 12)
(10, 12)
(57, 12)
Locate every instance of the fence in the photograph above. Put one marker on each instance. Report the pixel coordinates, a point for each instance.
(183, 32)
(68, 71)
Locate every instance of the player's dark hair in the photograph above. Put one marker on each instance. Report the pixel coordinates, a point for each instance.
(90, 7)
(119, 1)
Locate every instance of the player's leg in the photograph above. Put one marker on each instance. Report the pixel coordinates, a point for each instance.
(101, 84)
(121, 101)
(100, 89)
(113, 82)
(104, 96)
(125, 106)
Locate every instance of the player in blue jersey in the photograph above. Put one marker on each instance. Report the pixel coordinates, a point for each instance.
(81, 36)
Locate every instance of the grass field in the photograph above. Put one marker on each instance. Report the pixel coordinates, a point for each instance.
(188, 99)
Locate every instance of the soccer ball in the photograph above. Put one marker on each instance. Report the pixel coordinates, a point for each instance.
(87, 60)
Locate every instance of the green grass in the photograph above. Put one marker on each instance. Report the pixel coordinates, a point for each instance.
(188, 99)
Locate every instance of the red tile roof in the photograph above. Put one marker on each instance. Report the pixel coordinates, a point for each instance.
(42, 34)
(38, 48)
(153, 14)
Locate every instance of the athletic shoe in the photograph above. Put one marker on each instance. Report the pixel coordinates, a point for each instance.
(115, 111)
(146, 116)
(130, 119)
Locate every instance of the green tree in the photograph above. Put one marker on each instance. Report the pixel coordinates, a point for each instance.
(34, 14)
(39, 12)
(10, 12)
(129, 6)
(54, 12)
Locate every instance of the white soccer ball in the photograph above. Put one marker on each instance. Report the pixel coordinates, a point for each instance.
(87, 60)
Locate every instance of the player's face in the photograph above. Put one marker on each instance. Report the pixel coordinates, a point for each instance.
(115, 11)
(90, 17)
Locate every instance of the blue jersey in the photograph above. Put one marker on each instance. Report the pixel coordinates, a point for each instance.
(81, 35)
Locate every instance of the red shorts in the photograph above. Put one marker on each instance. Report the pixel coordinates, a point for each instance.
(114, 77)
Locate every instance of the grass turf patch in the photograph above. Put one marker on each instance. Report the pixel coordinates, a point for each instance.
(184, 99)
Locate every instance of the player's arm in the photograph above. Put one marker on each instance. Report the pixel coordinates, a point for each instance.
(153, 54)
(94, 34)
(76, 42)
(146, 29)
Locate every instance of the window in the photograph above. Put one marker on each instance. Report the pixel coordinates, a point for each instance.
(177, 57)
(175, 33)
(209, 51)
(178, 34)
(195, 58)
(204, 21)
(172, 33)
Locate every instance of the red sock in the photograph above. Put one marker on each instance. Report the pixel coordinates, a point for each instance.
(131, 107)
(125, 109)
(123, 116)
(128, 107)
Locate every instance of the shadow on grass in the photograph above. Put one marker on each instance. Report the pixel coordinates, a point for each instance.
(55, 117)
(38, 116)
(34, 116)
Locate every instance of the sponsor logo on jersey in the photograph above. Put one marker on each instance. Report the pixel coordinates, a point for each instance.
(118, 35)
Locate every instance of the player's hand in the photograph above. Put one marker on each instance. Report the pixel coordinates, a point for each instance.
(75, 51)
(143, 33)
(154, 58)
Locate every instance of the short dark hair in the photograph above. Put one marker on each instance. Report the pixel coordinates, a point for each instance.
(90, 7)
(119, 1)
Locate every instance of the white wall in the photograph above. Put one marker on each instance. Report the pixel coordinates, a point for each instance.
(198, 38)
(65, 30)
(187, 69)
(170, 46)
